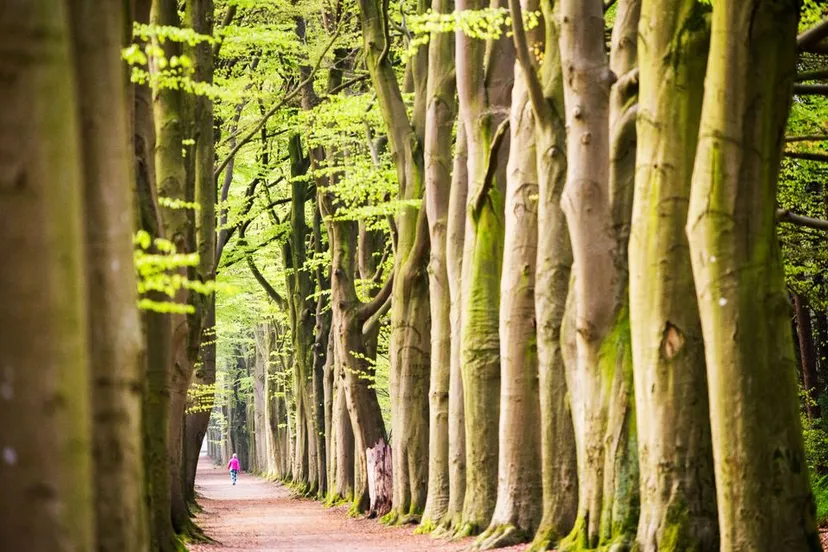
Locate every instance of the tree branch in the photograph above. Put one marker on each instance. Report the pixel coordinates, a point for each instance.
(271, 292)
(811, 89)
(812, 75)
(807, 138)
(346, 84)
(783, 215)
(367, 310)
(533, 84)
(295, 92)
(228, 18)
(807, 156)
(480, 197)
(813, 36)
(374, 320)
(608, 4)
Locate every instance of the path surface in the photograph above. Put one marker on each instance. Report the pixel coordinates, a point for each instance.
(258, 515)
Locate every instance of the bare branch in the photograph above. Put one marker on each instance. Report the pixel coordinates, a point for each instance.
(374, 320)
(807, 138)
(348, 83)
(812, 75)
(367, 310)
(783, 215)
(813, 36)
(533, 84)
(811, 89)
(271, 292)
(228, 18)
(480, 197)
(807, 156)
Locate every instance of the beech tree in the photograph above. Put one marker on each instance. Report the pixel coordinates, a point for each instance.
(521, 271)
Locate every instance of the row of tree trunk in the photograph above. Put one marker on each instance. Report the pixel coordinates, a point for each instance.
(609, 341)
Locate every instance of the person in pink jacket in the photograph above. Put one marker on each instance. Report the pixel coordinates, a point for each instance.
(233, 466)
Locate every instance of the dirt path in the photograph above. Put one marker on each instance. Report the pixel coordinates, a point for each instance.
(258, 515)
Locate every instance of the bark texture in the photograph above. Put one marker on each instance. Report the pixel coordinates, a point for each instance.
(763, 494)
(455, 232)
(597, 202)
(677, 483)
(441, 113)
(484, 85)
(409, 348)
(518, 508)
(45, 469)
(113, 322)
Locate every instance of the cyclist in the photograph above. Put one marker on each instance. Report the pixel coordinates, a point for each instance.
(233, 466)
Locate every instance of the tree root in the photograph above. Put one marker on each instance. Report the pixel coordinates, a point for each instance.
(427, 526)
(545, 539)
(499, 536)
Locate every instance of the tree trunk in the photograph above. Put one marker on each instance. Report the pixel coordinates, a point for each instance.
(455, 233)
(677, 484)
(559, 478)
(597, 200)
(440, 117)
(805, 336)
(409, 311)
(360, 397)
(172, 183)
(45, 472)
(114, 328)
(518, 508)
(303, 311)
(763, 494)
(200, 15)
(484, 91)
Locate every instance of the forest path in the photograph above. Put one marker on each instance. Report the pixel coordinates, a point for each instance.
(258, 515)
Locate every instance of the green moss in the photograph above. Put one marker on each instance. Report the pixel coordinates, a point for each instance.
(545, 539)
(577, 539)
(427, 526)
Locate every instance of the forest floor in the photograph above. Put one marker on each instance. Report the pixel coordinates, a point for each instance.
(259, 515)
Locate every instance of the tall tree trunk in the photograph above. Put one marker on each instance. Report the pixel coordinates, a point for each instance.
(441, 112)
(322, 354)
(45, 470)
(301, 288)
(172, 183)
(455, 233)
(559, 479)
(805, 336)
(409, 311)
(597, 200)
(200, 16)
(157, 327)
(360, 397)
(114, 328)
(485, 72)
(763, 494)
(518, 508)
(677, 485)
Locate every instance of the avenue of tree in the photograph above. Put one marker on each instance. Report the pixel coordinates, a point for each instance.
(546, 271)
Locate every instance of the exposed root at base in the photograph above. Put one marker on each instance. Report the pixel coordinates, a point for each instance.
(499, 536)
(545, 539)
